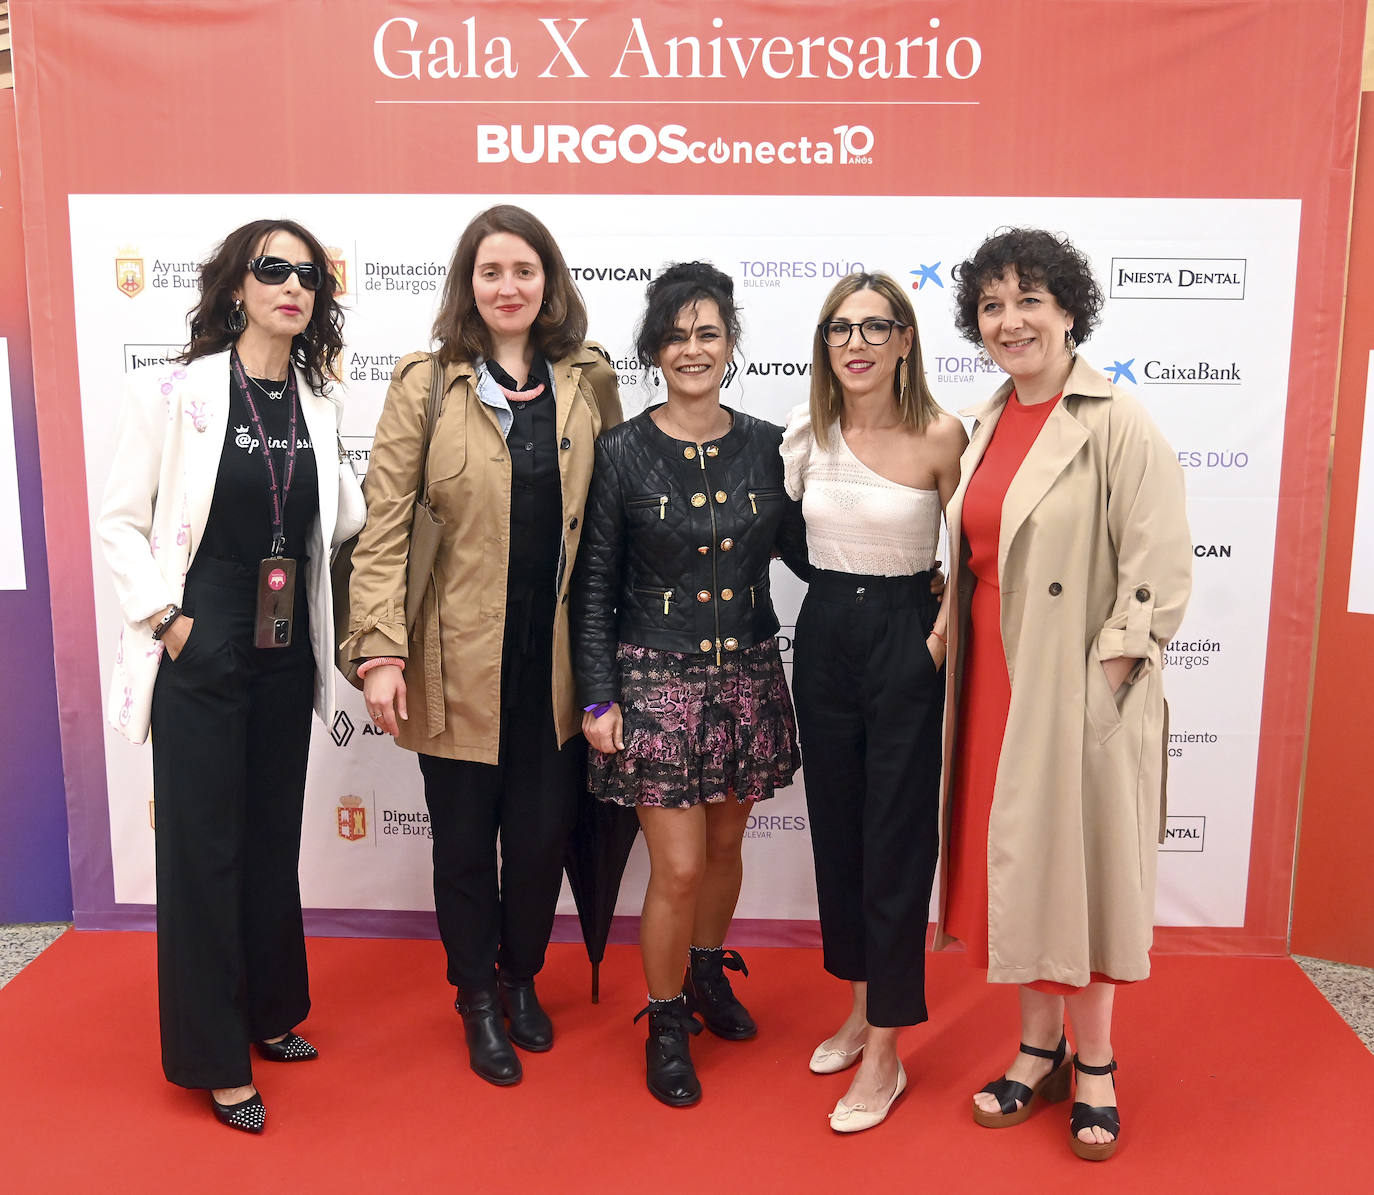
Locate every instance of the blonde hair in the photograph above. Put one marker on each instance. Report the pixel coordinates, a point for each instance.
(912, 395)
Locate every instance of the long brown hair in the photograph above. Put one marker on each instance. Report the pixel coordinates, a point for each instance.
(315, 351)
(561, 325)
(912, 395)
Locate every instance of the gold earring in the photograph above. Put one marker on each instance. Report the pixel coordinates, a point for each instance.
(1069, 345)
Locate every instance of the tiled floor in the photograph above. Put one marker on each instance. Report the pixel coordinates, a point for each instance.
(1350, 989)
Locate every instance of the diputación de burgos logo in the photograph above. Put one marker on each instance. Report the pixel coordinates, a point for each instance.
(667, 145)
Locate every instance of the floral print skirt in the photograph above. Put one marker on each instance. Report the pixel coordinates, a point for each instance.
(699, 731)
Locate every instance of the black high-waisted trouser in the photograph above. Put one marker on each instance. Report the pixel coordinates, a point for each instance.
(231, 735)
(869, 710)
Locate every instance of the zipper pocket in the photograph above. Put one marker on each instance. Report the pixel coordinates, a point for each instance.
(757, 496)
(665, 595)
(647, 500)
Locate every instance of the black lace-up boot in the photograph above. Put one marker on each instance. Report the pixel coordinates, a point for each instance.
(709, 993)
(668, 1060)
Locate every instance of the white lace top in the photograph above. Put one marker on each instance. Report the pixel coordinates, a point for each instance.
(857, 521)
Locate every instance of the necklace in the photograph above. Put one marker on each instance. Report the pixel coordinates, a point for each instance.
(274, 395)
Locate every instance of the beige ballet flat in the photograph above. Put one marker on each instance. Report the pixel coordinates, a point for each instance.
(854, 1118)
(831, 1062)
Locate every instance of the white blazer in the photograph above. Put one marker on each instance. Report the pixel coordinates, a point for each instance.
(157, 499)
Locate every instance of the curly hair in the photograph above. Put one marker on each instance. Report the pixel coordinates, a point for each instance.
(912, 395)
(558, 329)
(680, 284)
(315, 351)
(1039, 258)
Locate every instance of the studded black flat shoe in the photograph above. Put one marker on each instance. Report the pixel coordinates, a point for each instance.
(291, 1048)
(247, 1116)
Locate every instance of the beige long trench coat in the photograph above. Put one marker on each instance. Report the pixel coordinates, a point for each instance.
(453, 656)
(1094, 562)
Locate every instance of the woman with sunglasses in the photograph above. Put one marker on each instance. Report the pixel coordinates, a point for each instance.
(227, 492)
(873, 461)
(481, 686)
(687, 713)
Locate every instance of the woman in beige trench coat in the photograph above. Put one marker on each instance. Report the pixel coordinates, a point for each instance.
(481, 686)
(1073, 543)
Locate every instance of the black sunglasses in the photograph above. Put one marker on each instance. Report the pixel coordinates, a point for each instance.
(273, 271)
(837, 332)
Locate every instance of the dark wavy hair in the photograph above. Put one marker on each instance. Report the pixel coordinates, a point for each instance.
(681, 284)
(1039, 258)
(314, 351)
(558, 329)
(910, 392)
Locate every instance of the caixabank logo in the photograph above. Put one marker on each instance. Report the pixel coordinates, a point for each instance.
(1178, 278)
(927, 275)
(1185, 834)
(1154, 371)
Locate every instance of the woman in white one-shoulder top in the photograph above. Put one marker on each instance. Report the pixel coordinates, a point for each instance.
(873, 461)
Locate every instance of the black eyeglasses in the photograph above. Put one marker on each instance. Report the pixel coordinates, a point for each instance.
(273, 271)
(837, 332)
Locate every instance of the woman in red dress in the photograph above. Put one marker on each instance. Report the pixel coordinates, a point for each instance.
(1072, 572)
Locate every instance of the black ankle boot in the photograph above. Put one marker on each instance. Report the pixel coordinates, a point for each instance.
(530, 1027)
(489, 1049)
(709, 992)
(668, 1061)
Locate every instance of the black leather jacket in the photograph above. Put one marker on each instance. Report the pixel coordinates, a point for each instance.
(676, 550)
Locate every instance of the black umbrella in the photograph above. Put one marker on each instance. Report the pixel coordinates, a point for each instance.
(595, 860)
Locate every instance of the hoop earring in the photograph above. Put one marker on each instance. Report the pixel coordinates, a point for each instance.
(1070, 346)
(237, 319)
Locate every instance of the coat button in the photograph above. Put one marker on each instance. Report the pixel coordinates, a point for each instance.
(1142, 594)
(690, 453)
(705, 645)
(565, 443)
(726, 544)
(703, 595)
(1055, 589)
(712, 450)
(731, 644)
(726, 594)
(701, 551)
(572, 524)
(698, 499)
(720, 495)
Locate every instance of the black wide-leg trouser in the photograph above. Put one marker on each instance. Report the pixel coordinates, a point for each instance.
(231, 736)
(494, 915)
(869, 703)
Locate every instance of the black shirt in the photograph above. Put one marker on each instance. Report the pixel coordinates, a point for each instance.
(536, 499)
(239, 527)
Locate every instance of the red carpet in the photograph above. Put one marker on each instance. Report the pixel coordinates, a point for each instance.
(1235, 1076)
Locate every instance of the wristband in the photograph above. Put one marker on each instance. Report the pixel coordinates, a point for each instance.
(377, 661)
(939, 636)
(599, 709)
(167, 619)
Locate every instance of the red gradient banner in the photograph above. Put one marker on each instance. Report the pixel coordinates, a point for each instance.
(1243, 99)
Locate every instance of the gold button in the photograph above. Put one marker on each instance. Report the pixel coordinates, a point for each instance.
(698, 499)
(690, 453)
(712, 450)
(720, 495)
(726, 544)
(726, 594)
(703, 549)
(703, 595)
(705, 645)
(730, 644)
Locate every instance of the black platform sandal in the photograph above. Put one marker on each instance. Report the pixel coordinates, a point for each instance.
(1053, 1088)
(1090, 1116)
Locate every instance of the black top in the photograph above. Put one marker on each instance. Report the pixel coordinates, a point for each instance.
(239, 527)
(536, 498)
(677, 544)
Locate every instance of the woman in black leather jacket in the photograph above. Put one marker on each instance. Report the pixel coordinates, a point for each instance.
(687, 709)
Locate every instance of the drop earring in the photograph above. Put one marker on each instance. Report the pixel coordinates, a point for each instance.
(237, 319)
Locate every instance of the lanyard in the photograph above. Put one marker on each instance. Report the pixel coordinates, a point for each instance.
(279, 493)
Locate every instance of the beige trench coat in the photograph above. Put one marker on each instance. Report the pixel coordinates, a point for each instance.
(453, 668)
(1094, 562)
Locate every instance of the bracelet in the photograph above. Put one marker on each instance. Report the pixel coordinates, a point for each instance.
(599, 709)
(377, 661)
(939, 636)
(173, 613)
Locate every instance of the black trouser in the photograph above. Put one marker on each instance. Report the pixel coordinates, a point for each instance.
(869, 703)
(490, 918)
(231, 734)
